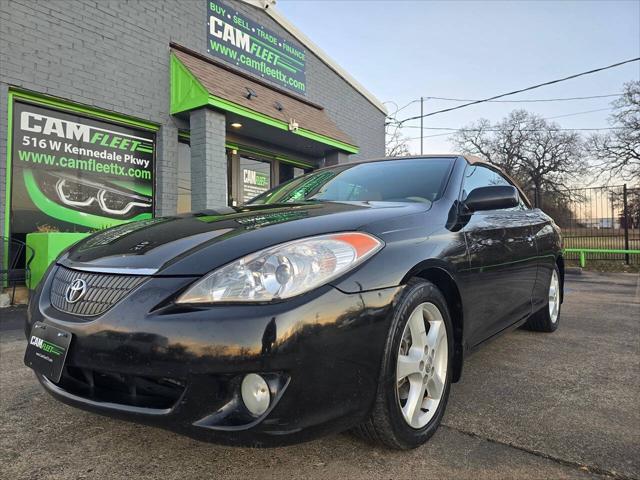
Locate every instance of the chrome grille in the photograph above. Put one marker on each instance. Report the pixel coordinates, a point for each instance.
(104, 290)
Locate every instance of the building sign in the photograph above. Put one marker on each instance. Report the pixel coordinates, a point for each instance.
(235, 38)
(73, 173)
(253, 183)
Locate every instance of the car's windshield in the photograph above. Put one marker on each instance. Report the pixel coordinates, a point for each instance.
(411, 180)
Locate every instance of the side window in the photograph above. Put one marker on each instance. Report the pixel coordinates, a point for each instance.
(480, 176)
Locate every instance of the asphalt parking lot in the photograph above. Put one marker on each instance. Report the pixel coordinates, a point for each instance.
(530, 405)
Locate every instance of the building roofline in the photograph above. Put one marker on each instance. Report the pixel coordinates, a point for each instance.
(268, 7)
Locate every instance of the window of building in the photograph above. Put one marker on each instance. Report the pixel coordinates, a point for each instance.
(255, 178)
(184, 177)
(251, 173)
(289, 172)
(248, 175)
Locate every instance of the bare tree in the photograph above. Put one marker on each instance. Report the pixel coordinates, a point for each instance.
(501, 144)
(617, 154)
(541, 156)
(396, 144)
(552, 158)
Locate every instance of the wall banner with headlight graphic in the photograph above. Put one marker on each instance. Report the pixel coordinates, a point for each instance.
(72, 173)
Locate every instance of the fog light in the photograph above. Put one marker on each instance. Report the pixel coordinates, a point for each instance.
(255, 394)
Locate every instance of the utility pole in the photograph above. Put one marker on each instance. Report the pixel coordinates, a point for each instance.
(421, 120)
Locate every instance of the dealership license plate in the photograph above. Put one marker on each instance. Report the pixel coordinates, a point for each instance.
(47, 350)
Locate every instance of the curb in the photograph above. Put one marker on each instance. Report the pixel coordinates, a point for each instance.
(573, 271)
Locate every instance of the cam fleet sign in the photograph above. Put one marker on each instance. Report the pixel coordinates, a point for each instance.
(74, 173)
(253, 184)
(236, 39)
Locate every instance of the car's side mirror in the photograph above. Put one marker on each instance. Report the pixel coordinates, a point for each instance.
(492, 198)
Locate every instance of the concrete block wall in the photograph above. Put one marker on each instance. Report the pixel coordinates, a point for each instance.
(3, 154)
(114, 55)
(208, 159)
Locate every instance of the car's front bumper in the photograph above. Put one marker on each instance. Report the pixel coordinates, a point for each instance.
(321, 351)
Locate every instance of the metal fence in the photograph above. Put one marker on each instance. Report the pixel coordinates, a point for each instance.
(598, 218)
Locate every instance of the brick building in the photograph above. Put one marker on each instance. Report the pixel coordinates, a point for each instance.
(112, 111)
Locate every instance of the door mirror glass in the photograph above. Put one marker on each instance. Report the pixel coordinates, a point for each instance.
(493, 197)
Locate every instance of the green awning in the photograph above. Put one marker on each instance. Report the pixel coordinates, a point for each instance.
(196, 82)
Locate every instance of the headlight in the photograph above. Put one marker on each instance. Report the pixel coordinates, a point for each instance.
(284, 271)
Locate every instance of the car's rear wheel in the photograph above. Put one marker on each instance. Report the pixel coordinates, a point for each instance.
(416, 370)
(547, 318)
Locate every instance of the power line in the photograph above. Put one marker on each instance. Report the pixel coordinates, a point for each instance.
(546, 118)
(524, 101)
(578, 113)
(570, 77)
(453, 131)
(408, 104)
(431, 136)
(399, 109)
(523, 130)
(493, 130)
(535, 100)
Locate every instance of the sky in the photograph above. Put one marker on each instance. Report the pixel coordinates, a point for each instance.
(402, 50)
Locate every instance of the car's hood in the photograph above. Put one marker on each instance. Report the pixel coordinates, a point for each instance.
(197, 243)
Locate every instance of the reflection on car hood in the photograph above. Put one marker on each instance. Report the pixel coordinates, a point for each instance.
(196, 243)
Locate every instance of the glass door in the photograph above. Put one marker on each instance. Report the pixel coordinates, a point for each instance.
(248, 177)
(251, 174)
(255, 178)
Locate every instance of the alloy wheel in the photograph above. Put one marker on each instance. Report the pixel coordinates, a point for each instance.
(422, 365)
(554, 297)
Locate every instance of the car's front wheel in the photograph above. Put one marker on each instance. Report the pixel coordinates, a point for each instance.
(416, 370)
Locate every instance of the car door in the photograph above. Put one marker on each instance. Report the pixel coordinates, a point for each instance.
(502, 261)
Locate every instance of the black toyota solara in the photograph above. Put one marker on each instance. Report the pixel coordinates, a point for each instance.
(347, 298)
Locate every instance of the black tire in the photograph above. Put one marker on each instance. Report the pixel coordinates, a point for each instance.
(541, 320)
(386, 424)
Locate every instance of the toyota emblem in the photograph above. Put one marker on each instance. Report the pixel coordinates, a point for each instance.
(75, 291)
